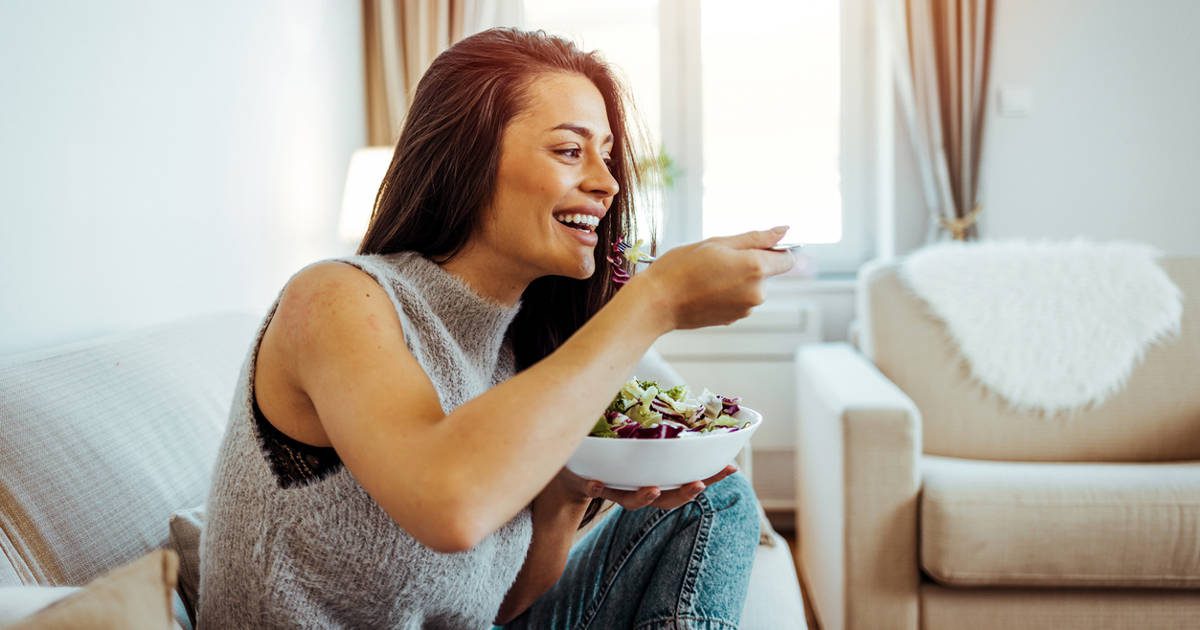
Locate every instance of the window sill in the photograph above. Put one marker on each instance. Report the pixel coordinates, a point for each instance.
(823, 283)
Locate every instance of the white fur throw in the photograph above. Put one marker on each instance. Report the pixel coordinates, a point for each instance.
(1048, 326)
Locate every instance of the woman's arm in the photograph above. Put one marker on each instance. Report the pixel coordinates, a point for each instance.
(555, 520)
(450, 480)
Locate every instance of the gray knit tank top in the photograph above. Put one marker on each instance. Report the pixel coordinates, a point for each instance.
(323, 554)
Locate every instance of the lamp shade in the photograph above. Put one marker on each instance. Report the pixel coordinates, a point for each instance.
(367, 168)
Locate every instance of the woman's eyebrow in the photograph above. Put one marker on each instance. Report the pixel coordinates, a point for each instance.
(581, 130)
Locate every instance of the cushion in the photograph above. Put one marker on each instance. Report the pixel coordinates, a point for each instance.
(944, 608)
(104, 439)
(990, 523)
(134, 596)
(773, 600)
(186, 526)
(17, 602)
(1156, 417)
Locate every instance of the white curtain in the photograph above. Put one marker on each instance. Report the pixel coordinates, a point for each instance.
(940, 52)
(403, 37)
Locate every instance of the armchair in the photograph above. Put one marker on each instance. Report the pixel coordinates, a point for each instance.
(926, 502)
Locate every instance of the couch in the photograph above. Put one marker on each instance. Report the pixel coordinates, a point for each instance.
(102, 440)
(926, 502)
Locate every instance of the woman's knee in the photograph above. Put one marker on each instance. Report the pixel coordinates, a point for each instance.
(732, 495)
(731, 506)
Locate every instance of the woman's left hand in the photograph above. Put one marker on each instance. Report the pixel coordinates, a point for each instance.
(578, 489)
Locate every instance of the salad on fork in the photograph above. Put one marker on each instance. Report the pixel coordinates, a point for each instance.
(625, 257)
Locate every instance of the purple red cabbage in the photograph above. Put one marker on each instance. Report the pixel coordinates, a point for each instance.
(617, 261)
(660, 431)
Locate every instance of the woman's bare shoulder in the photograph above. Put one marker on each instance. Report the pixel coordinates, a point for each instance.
(301, 324)
(330, 303)
(334, 325)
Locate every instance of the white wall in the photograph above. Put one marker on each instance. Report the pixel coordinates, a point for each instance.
(160, 160)
(1112, 146)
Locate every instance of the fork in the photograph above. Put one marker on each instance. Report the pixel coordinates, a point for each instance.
(624, 246)
(647, 258)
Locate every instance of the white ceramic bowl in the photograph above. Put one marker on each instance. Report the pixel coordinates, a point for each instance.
(629, 464)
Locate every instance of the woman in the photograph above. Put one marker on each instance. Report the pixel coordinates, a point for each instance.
(395, 455)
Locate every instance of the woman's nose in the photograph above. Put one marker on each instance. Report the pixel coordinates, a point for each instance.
(600, 180)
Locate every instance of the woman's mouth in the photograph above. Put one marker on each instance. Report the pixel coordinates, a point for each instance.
(581, 226)
(581, 222)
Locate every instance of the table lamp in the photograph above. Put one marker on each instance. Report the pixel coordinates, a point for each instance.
(368, 165)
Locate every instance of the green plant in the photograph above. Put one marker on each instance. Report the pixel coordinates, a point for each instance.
(659, 170)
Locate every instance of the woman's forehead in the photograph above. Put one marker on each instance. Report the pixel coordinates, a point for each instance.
(557, 99)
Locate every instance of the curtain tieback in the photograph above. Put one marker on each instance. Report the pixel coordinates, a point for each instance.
(958, 226)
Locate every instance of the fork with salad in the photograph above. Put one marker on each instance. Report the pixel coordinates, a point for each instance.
(625, 255)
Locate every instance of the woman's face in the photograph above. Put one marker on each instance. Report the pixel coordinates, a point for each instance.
(553, 168)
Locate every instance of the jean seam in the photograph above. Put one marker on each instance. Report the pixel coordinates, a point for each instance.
(622, 559)
(706, 619)
(687, 588)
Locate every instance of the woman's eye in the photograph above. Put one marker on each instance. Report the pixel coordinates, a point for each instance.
(576, 153)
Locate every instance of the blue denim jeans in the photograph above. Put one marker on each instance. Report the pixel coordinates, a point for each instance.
(683, 568)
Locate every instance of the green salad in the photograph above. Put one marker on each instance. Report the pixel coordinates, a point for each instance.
(644, 410)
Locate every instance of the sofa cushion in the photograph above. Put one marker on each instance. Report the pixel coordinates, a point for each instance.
(18, 602)
(944, 608)
(134, 596)
(103, 439)
(991, 523)
(186, 527)
(773, 599)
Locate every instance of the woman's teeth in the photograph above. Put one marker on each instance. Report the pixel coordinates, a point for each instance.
(581, 222)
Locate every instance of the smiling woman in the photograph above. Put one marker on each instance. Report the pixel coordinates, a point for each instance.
(396, 454)
(556, 139)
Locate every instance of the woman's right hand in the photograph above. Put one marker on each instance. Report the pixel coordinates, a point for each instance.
(717, 280)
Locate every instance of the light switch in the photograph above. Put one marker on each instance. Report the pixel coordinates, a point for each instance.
(1016, 101)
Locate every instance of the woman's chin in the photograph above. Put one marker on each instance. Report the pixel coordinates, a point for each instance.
(585, 273)
(581, 269)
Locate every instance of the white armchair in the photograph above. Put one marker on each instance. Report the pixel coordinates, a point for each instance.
(926, 502)
(858, 480)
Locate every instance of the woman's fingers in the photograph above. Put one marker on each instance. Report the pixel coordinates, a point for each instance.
(631, 499)
(754, 239)
(677, 497)
(651, 495)
(672, 499)
(725, 472)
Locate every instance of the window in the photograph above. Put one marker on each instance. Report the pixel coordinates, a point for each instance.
(770, 114)
(758, 104)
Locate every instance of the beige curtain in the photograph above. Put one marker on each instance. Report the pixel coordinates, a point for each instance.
(941, 51)
(403, 37)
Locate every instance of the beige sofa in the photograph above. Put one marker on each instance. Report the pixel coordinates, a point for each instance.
(100, 441)
(926, 502)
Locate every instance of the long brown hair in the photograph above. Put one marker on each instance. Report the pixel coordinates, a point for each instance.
(443, 173)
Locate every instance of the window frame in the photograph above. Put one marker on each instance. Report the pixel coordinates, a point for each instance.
(682, 137)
